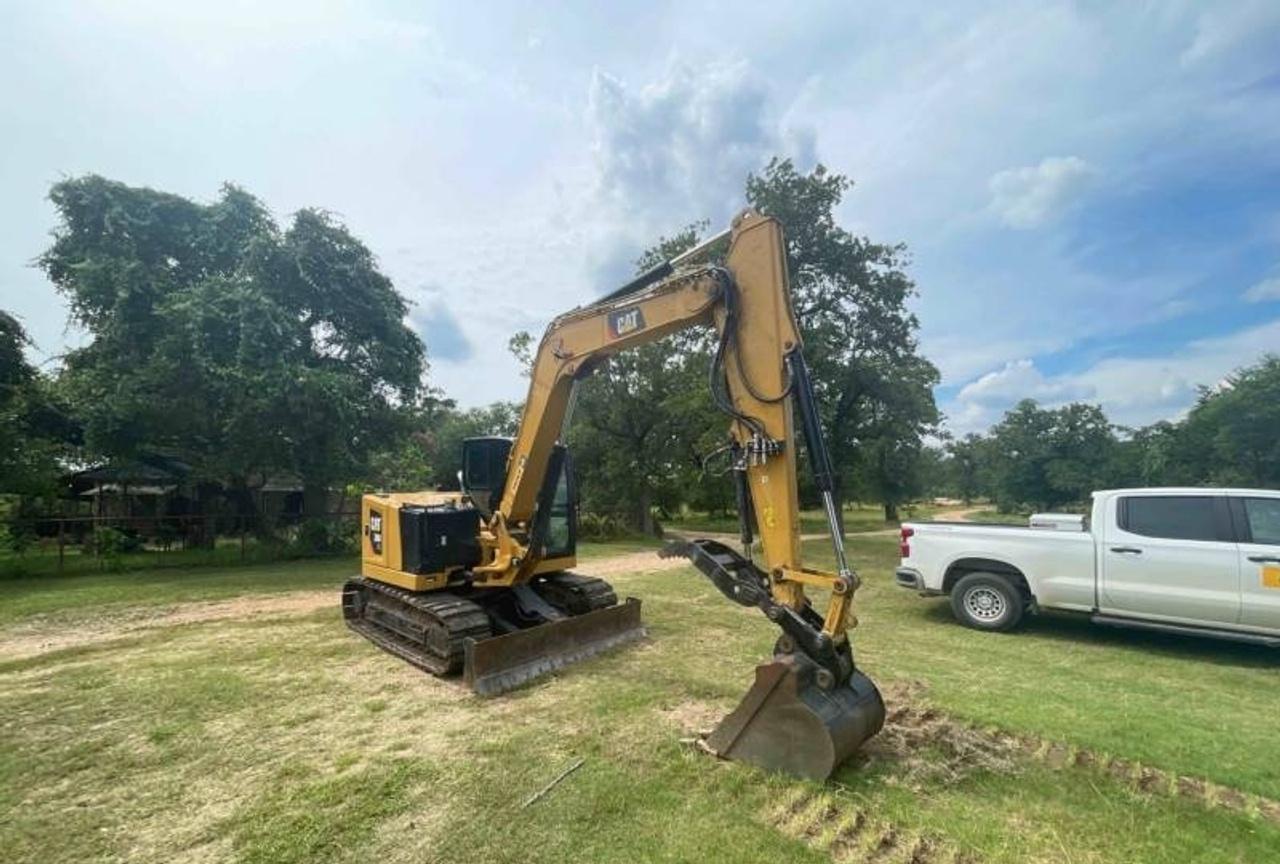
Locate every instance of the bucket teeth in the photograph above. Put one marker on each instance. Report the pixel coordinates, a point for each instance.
(496, 665)
(786, 722)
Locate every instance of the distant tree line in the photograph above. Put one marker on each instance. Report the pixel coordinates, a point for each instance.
(1043, 458)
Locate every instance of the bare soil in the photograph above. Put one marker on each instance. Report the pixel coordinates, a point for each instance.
(44, 635)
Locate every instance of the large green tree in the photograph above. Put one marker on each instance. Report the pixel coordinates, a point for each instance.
(644, 423)
(1048, 457)
(850, 296)
(226, 341)
(647, 421)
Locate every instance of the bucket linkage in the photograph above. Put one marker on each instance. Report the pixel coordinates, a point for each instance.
(809, 708)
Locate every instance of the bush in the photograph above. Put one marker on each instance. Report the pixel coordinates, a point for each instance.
(15, 539)
(326, 537)
(112, 544)
(601, 526)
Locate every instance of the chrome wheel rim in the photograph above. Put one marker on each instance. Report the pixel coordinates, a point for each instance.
(985, 604)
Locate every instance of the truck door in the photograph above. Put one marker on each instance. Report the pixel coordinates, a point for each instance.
(1258, 523)
(1171, 557)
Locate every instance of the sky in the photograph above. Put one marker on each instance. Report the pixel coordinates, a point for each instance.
(1089, 192)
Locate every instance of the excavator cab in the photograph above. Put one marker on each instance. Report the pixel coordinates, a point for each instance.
(484, 475)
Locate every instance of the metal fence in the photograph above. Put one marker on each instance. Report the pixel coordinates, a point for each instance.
(61, 544)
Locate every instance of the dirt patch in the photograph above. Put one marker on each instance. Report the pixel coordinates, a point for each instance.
(924, 747)
(43, 636)
(829, 823)
(694, 717)
(634, 562)
(956, 515)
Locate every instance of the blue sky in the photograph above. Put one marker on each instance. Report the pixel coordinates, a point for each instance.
(1090, 192)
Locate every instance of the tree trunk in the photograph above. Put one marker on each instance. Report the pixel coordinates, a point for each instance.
(643, 518)
(315, 498)
(890, 512)
(248, 516)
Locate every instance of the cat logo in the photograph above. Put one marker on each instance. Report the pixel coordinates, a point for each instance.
(375, 531)
(625, 321)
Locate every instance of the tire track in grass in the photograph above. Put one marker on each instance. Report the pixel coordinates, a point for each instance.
(844, 831)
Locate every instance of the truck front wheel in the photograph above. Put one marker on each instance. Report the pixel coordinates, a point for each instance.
(987, 601)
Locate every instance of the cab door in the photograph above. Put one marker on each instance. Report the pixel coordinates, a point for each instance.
(1257, 519)
(1171, 557)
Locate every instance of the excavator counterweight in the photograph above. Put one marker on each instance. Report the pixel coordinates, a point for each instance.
(480, 581)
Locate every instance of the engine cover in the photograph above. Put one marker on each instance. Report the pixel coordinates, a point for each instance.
(434, 538)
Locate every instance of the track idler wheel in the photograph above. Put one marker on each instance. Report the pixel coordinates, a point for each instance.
(790, 722)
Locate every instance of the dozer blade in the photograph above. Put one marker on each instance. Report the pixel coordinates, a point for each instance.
(503, 663)
(786, 722)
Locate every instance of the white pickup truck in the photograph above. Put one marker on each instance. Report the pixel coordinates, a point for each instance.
(1195, 561)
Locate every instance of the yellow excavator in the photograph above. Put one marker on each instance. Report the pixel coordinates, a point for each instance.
(480, 581)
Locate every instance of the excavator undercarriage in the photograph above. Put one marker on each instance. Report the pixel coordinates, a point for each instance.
(497, 640)
(480, 581)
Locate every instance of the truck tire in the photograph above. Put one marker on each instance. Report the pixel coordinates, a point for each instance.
(987, 601)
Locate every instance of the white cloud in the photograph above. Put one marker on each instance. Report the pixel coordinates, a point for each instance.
(1036, 195)
(1134, 391)
(1020, 379)
(1223, 27)
(678, 149)
(1264, 291)
(683, 142)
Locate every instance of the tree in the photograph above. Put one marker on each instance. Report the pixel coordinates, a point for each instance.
(850, 299)
(644, 422)
(35, 429)
(226, 342)
(970, 466)
(442, 438)
(1234, 428)
(648, 419)
(1050, 457)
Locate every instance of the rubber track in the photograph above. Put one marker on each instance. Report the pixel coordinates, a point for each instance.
(460, 618)
(588, 592)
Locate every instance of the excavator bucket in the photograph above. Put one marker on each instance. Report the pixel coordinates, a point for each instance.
(502, 663)
(787, 722)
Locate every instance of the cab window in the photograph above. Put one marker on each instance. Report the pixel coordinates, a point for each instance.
(1174, 517)
(559, 540)
(1263, 516)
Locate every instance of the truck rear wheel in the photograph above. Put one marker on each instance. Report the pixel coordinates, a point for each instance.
(987, 601)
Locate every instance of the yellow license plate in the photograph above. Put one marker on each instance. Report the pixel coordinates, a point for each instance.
(1271, 577)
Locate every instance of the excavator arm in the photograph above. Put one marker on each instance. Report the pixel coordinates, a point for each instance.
(760, 380)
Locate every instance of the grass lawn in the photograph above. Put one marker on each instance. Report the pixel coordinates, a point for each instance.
(285, 738)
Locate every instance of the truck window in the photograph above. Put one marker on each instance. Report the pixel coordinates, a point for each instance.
(1176, 517)
(1263, 515)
